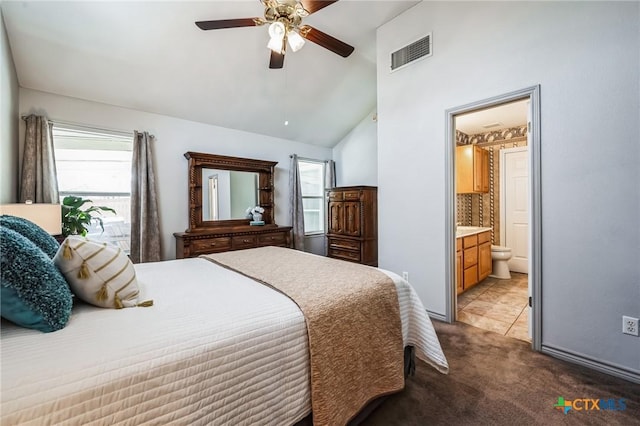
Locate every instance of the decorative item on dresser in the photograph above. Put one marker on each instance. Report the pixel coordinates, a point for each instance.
(221, 189)
(352, 227)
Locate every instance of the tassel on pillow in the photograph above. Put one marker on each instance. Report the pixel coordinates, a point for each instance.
(83, 273)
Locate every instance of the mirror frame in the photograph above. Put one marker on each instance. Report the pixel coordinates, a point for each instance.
(199, 161)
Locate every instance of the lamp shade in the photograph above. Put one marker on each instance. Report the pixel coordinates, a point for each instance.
(46, 216)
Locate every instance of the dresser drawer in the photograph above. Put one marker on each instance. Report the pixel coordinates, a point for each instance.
(352, 195)
(484, 237)
(353, 256)
(470, 257)
(275, 239)
(338, 243)
(210, 245)
(245, 241)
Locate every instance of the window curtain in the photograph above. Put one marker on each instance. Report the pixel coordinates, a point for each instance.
(145, 224)
(295, 204)
(330, 174)
(38, 181)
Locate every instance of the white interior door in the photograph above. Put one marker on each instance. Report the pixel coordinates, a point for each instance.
(514, 229)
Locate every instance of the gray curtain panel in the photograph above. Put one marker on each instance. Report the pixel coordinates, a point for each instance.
(38, 182)
(295, 204)
(330, 174)
(145, 223)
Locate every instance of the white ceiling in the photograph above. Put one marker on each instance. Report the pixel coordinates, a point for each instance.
(497, 118)
(150, 56)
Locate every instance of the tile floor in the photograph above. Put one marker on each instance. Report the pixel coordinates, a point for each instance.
(497, 305)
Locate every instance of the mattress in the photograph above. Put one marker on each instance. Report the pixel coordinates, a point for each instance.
(216, 348)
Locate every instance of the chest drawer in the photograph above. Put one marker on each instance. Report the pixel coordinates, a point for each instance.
(338, 243)
(275, 239)
(244, 241)
(353, 256)
(210, 245)
(335, 196)
(352, 195)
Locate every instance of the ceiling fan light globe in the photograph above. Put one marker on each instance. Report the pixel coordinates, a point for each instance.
(276, 30)
(295, 41)
(275, 44)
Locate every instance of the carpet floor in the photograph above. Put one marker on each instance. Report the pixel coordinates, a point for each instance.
(496, 380)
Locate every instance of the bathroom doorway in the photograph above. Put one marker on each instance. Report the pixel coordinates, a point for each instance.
(500, 208)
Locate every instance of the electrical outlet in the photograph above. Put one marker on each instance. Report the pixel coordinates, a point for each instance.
(405, 276)
(630, 325)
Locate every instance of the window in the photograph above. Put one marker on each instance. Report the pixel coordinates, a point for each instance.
(97, 165)
(312, 183)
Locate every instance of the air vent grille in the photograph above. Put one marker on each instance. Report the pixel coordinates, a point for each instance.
(416, 50)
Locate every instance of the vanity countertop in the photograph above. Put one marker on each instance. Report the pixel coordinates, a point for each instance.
(463, 231)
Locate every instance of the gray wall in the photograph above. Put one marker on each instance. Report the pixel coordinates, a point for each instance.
(8, 121)
(586, 59)
(356, 155)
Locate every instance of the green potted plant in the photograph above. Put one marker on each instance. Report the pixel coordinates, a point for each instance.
(76, 220)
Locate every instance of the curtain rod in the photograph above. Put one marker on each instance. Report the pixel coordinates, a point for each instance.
(310, 159)
(87, 127)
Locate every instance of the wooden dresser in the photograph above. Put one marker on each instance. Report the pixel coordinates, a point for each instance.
(352, 224)
(218, 232)
(193, 244)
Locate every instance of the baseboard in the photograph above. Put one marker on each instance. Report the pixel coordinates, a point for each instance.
(594, 364)
(435, 315)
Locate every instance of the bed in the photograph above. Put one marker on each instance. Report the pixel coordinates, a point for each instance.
(216, 348)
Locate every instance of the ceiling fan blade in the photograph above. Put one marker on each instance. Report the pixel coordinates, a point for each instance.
(326, 41)
(276, 61)
(312, 6)
(228, 23)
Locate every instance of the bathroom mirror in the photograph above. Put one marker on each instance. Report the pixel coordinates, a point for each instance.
(221, 189)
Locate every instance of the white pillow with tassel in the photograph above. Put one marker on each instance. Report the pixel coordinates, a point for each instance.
(98, 273)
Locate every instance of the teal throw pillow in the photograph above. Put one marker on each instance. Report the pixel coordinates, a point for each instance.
(33, 232)
(34, 293)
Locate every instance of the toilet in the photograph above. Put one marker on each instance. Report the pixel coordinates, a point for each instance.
(500, 255)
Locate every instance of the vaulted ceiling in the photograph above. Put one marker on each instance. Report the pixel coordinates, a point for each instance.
(150, 56)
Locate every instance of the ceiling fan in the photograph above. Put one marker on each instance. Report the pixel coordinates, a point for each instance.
(285, 19)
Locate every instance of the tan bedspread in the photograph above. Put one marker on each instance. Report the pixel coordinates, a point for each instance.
(353, 322)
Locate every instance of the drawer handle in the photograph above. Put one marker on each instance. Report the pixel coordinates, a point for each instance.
(213, 244)
(245, 241)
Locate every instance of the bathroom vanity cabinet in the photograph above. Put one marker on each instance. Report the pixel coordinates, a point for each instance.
(472, 169)
(473, 259)
(459, 269)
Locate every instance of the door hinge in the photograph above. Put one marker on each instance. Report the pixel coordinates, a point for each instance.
(528, 127)
(530, 303)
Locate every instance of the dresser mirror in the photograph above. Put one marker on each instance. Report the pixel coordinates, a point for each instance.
(227, 194)
(222, 188)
